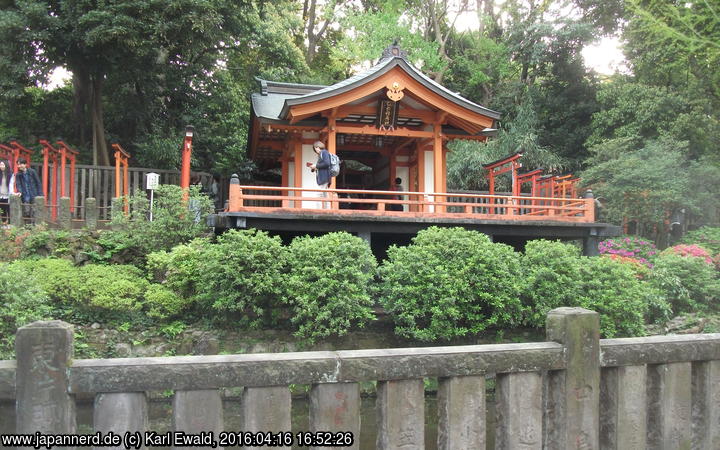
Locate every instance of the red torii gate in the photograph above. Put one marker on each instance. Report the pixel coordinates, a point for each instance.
(121, 174)
(13, 152)
(55, 156)
(499, 167)
(528, 177)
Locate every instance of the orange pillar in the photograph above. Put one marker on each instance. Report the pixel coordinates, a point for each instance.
(285, 171)
(186, 154)
(299, 165)
(438, 166)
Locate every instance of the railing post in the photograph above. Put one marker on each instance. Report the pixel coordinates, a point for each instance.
(64, 218)
(706, 407)
(39, 211)
(336, 407)
(573, 395)
(44, 351)
(234, 194)
(400, 414)
(91, 213)
(16, 211)
(198, 411)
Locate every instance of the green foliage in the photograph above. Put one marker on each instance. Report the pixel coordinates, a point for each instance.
(708, 237)
(689, 283)
(551, 272)
(465, 162)
(450, 282)
(240, 274)
(645, 184)
(174, 222)
(88, 293)
(328, 284)
(21, 301)
(612, 289)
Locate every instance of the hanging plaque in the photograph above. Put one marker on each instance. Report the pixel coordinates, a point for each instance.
(387, 115)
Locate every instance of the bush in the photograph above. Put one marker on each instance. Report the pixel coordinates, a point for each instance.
(690, 284)
(88, 293)
(22, 301)
(707, 237)
(242, 273)
(328, 285)
(551, 271)
(613, 289)
(630, 247)
(450, 282)
(690, 251)
(173, 223)
(40, 242)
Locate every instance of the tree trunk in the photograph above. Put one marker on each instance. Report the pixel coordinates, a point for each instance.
(81, 86)
(100, 150)
(311, 37)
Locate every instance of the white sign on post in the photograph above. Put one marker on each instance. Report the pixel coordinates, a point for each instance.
(152, 180)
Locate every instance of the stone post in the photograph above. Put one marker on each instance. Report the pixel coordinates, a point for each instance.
(91, 213)
(64, 217)
(623, 407)
(706, 404)
(198, 411)
(16, 211)
(120, 412)
(39, 211)
(461, 412)
(669, 403)
(400, 414)
(336, 407)
(44, 351)
(519, 412)
(266, 409)
(573, 395)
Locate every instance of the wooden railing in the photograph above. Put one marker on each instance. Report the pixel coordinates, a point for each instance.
(394, 203)
(573, 391)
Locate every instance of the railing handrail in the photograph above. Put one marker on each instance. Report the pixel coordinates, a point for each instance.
(376, 192)
(261, 369)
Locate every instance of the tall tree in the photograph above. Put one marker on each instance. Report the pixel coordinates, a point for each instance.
(95, 39)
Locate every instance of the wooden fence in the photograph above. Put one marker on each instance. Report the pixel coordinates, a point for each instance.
(574, 391)
(99, 182)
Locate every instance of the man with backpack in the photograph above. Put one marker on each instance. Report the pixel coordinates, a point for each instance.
(326, 167)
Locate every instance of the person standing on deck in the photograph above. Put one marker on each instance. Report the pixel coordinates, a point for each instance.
(321, 169)
(7, 187)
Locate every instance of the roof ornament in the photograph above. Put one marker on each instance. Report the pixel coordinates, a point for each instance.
(394, 51)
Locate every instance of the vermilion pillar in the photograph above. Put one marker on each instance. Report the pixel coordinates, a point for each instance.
(186, 154)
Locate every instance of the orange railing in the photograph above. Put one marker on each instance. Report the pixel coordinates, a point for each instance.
(273, 199)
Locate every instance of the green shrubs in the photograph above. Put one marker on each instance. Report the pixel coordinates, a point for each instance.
(328, 284)
(241, 274)
(450, 282)
(688, 282)
(613, 289)
(21, 302)
(552, 271)
(173, 224)
(708, 237)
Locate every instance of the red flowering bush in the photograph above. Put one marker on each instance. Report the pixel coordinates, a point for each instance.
(691, 250)
(640, 268)
(629, 247)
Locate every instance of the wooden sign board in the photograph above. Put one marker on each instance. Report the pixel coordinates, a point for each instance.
(387, 115)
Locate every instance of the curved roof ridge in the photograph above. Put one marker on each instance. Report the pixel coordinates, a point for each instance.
(380, 68)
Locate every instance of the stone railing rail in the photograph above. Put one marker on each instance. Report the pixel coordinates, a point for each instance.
(573, 392)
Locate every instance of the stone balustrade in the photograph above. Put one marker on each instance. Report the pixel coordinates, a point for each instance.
(575, 391)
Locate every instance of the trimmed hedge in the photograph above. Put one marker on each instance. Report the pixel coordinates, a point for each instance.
(450, 282)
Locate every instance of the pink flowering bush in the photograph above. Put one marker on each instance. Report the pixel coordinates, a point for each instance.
(690, 250)
(630, 247)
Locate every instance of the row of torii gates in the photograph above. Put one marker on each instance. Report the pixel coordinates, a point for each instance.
(58, 157)
(548, 186)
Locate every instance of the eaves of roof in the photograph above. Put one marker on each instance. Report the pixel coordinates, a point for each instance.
(376, 71)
